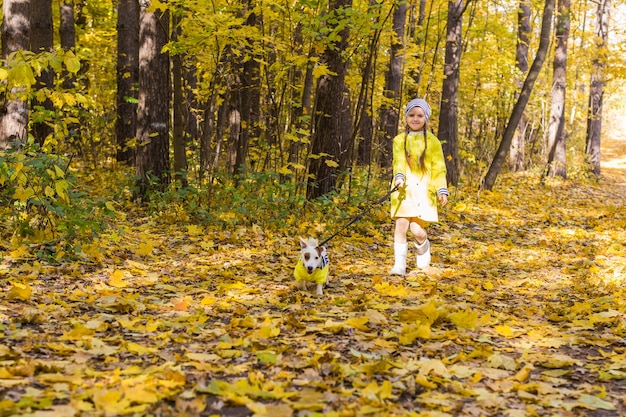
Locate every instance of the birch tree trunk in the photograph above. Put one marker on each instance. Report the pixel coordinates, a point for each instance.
(517, 153)
(596, 91)
(557, 160)
(15, 37)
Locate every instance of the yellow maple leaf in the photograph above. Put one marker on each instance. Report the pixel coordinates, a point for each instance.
(20, 291)
(194, 230)
(269, 331)
(145, 248)
(426, 313)
(141, 394)
(504, 330)
(412, 332)
(116, 279)
(381, 392)
(358, 323)
(110, 401)
(376, 317)
(524, 373)
(466, 319)
(139, 349)
(270, 410)
(183, 303)
(207, 301)
(391, 290)
(424, 382)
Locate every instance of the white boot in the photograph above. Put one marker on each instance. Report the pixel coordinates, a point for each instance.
(423, 254)
(400, 251)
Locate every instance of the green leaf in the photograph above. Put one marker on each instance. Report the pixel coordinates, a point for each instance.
(594, 402)
(72, 64)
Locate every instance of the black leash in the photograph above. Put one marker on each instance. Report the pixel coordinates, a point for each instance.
(363, 213)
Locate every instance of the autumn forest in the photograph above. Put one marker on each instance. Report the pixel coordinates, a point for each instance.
(160, 160)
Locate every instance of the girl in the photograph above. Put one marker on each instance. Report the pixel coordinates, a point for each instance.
(420, 175)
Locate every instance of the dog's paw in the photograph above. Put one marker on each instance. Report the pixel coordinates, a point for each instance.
(319, 290)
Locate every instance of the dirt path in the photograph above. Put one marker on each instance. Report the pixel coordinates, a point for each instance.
(613, 165)
(613, 156)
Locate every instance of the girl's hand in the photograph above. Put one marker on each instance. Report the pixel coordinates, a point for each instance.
(443, 199)
(399, 183)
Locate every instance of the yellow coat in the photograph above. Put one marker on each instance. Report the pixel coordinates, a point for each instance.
(319, 276)
(418, 197)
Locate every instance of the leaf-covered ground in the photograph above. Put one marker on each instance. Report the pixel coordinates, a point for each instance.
(522, 314)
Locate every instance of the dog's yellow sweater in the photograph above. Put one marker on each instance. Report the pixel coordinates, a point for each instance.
(318, 276)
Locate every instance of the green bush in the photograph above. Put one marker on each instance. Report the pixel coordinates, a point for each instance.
(43, 206)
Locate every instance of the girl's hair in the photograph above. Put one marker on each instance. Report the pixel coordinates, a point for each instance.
(422, 164)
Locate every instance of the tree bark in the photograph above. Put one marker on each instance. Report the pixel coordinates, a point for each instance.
(249, 98)
(392, 92)
(178, 128)
(15, 37)
(154, 101)
(331, 136)
(517, 153)
(596, 91)
(299, 114)
(448, 132)
(41, 40)
(127, 79)
(67, 34)
(520, 105)
(557, 160)
(363, 124)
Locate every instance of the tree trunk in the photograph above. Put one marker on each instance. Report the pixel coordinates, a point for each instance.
(331, 136)
(15, 37)
(517, 153)
(557, 161)
(596, 91)
(67, 34)
(448, 132)
(363, 124)
(41, 40)
(520, 105)
(249, 96)
(389, 113)
(178, 130)
(300, 123)
(154, 101)
(191, 102)
(127, 79)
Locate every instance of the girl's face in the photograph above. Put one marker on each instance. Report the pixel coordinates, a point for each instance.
(416, 119)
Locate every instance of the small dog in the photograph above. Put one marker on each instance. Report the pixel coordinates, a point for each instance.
(312, 265)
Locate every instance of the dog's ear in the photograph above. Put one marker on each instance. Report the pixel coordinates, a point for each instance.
(303, 243)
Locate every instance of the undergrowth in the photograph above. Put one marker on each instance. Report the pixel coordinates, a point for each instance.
(44, 207)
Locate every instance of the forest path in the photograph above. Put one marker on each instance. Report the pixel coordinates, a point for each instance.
(523, 313)
(613, 155)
